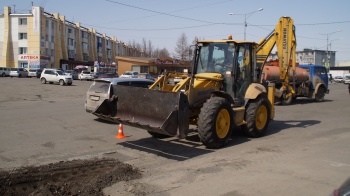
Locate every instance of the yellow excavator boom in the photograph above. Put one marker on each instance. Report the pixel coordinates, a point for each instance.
(283, 36)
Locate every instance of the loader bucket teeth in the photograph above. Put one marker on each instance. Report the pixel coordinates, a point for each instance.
(153, 110)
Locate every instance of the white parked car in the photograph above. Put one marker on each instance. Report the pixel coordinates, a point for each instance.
(55, 76)
(34, 73)
(86, 75)
(346, 79)
(129, 74)
(339, 79)
(18, 72)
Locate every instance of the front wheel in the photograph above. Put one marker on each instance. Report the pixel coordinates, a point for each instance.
(61, 82)
(319, 97)
(287, 101)
(257, 117)
(215, 122)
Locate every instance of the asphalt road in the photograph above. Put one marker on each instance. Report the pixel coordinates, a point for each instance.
(305, 152)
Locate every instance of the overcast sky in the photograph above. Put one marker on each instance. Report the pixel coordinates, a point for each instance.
(163, 21)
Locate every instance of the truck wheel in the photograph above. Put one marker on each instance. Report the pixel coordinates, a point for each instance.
(3, 74)
(43, 81)
(319, 97)
(61, 82)
(257, 116)
(158, 135)
(287, 101)
(215, 122)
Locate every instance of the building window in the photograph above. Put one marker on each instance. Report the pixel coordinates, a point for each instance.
(84, 34)
(22, 35)
(47, 38)
(85, 57)
(69, 30)
(71, 54)
(52, 52)
(47, 24)
(23, 50)
(70, 42)
(52, 39)
(22, 21)
(85, 45)
(23, 65)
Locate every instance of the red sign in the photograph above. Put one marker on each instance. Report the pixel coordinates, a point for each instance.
(29, 57)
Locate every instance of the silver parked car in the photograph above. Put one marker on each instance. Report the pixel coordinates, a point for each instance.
(72, 73)
(129, 74)
(101, 89)
(34, 73)
(4, 71)
(18, 72)
(146, 76)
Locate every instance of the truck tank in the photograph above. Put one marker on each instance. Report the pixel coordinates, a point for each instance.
(272, 73)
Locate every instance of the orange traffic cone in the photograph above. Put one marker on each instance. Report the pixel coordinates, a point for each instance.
(120, 132)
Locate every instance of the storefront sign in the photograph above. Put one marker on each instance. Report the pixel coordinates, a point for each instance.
(29, 57)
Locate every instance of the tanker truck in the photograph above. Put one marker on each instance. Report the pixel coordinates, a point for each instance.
(291, 81)
(306, 81)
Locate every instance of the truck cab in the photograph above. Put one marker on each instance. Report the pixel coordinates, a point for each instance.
(318, 81)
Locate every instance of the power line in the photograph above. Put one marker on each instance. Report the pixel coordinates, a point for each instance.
(142, 17)
(144, 9)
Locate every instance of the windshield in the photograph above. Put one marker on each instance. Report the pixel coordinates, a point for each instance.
(100, 87)
(215, 57)
(60, 72)
(68, 71)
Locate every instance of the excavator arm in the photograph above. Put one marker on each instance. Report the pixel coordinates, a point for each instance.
(284, 38)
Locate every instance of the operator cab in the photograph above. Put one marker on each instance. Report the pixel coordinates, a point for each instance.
(233, 60)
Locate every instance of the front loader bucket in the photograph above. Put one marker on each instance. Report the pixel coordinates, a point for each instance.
(157, 111)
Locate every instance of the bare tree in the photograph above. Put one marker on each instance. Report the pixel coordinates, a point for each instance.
(164, 53)
(144, 45)
(150, 48)
(182, 48)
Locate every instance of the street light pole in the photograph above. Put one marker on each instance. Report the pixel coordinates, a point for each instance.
(246, 16)
(327, 51)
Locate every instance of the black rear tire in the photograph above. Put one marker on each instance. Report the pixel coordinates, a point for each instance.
(257, 117)
(215, 122)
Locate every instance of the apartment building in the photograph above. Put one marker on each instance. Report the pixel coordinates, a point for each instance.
(40, 39)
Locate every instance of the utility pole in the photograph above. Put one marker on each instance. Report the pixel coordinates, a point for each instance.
(327, 65)
(246, 16)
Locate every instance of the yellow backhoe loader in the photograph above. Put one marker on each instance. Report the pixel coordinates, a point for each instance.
(224, 89)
